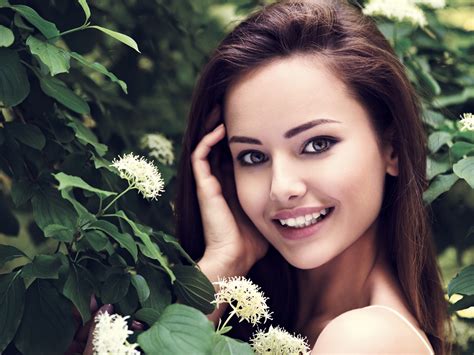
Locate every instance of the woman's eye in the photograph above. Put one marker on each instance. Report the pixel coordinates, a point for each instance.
(318, 145)
(251, 158)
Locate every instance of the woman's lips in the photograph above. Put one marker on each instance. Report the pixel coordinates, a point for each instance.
(291, 233)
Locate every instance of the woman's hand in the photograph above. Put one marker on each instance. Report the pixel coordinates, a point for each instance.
(229, 234)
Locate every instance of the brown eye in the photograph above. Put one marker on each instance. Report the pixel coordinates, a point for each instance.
(318, 145)
(251, 158)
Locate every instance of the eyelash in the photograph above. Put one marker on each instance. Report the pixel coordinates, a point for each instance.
(330, 142)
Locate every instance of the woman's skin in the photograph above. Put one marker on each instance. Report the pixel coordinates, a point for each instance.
(311, 145)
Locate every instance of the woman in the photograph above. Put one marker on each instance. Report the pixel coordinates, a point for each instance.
(303, 167)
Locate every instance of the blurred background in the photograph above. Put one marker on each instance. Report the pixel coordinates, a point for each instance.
(176, 38)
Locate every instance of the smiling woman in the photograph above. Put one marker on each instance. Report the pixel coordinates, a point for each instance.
(303, 166)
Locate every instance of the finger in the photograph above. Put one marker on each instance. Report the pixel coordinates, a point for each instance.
(200, 163)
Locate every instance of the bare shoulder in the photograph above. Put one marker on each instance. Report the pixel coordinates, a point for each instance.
(370, 330)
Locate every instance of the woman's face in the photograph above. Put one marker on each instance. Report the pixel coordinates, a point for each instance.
(301, 146)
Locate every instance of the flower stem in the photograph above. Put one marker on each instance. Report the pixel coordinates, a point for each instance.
(101, 212)
(219, 329)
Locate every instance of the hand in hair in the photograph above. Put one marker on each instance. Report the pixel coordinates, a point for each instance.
(229, 235)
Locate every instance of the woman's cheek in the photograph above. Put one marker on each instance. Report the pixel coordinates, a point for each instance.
(251, 195)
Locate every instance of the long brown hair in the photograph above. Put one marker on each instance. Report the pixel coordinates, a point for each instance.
(352, 47)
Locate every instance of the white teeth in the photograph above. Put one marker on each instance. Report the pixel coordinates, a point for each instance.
(304, 221)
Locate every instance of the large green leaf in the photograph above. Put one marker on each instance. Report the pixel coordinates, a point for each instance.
(463, 282)
(124, 239)
(115, 287)
(27, 134)
(223, 345)
(147, 315)
(152, 248)
(194, 288)
(436, 166)
(460, 149)
(12, 301)
(160, 293)
(78, 290)
(43, 267)
(8, 252)
(56, 59)
(6, 37)
(69, 181)
(140, 284)
(47, 326)
(14, 84)
(86, 136)
(48, 29)
(96, 239)
(56, 89)
(437, 139)
(101, 69)
(49, 208)
(465, 170)
(119, 37)
(439, 185)
(179, 330)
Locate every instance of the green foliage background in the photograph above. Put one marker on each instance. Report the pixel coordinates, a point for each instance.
(175, 38)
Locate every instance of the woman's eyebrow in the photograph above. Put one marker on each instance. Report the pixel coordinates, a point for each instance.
(289, 134)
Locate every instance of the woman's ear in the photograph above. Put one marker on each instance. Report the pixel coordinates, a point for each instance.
(390, 154)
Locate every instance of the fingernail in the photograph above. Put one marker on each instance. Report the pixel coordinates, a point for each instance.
(219, 127)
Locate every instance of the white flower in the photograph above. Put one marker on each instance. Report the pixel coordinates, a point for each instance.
(110, 335)
(245, 298)
(140, 174)
(398, 10)
(467, 122)
(160, 147)
(278, 341)
(434, 4)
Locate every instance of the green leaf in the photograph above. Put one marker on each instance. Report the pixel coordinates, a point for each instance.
(463, 282)
(160, 293)
(4, 3)
(454, 99)
(14, 84)
(179, 330)
(22, 191)
(436, 166)
(465, 170)
(439, 185)
(141, 286)
(124, 239)
(79, 291)
(460, 149)
(6, 37)
(48, 29)
(69, 181)
(101, 69)
(97, 239)
(56, 89)
(57, 230)
(193, 288)
(8, 252)
(173, 242)
(49, 208)
(463, 303)
(147, 315)
(12, 302)
(118, 36)
(223, 345)
(27, 134)
(86, 136)
(56, 59)
(43, 267)
(153, 250)
(47, 326)
(115, 287)
(87, 10)
(437, 139)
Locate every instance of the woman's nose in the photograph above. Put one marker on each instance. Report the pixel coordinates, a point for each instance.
(287, 183)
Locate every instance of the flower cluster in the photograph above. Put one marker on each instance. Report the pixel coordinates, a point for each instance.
(110, 335)
(402, 10)
(245, 298)
(140, 174)
(278, 341)
(159, 146)
(467, 122)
